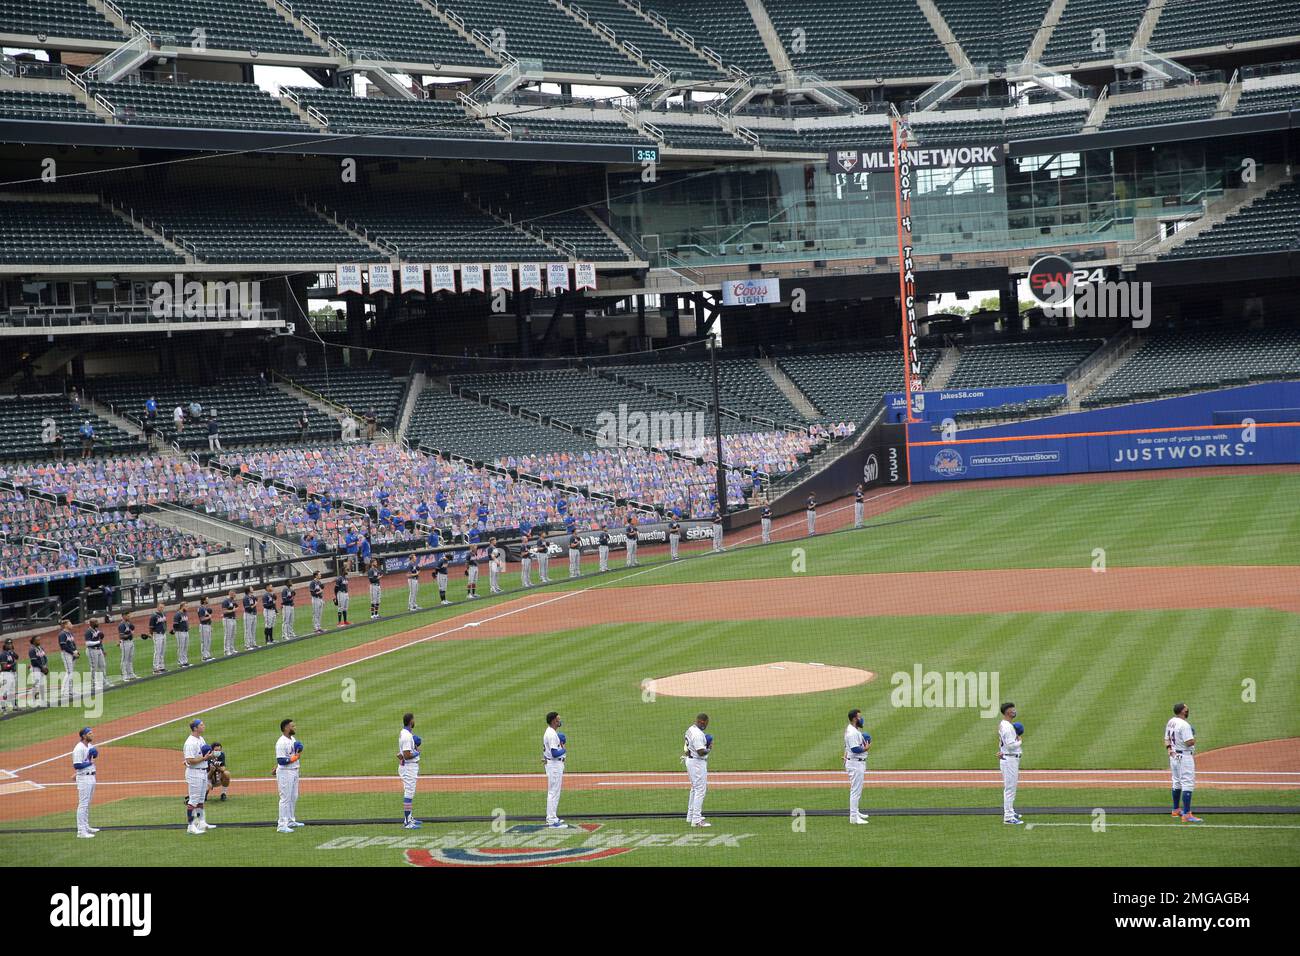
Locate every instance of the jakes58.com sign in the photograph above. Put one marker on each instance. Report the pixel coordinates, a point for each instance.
(751, 291)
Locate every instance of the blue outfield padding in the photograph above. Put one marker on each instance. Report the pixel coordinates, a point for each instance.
(1248, 425)
(945, 403)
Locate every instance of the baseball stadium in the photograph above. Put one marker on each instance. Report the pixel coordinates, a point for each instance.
(649, 433)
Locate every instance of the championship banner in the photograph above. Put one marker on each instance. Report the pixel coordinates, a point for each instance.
(347, 277)
(381, 277)
(412, 277)
(501, 276)
(530, 276)
(471, 277)
(940, 157)
(584, 275)
(442, 276)
(557, 276)
(751, 291)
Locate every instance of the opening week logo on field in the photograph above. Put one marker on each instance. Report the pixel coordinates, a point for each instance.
(530, 845)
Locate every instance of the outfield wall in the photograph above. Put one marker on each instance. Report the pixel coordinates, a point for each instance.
(1247, 425)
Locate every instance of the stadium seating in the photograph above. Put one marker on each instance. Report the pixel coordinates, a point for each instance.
(360, 389)
(532, 125)
(1155, 112)
(402, 30)
(228, 24)
(698, 136)
(1268, 99)
(1168, 363)
(1269, 224)
(823, 136)
(1026, 409)
(23, 419)
(1033, 126)
(649, 39)
(73, 232)
(43, 106)
(958, 131)
(1075, 34)
(245, 411)
(842, 41)
(1192, 24)
(724, 26)
(246, 225)
(993, 31)
(536, 30)
(561, 221)
(449, 423)
(57, 18)
(1019, 363)
(440, 228)
(742, 386)
(378, 115)
(848, 386)
(201, 103)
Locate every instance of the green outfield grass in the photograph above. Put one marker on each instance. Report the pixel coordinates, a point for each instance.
(1149, 839)
(1094, 689)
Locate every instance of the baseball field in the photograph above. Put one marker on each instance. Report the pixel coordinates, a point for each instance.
(1094, 605)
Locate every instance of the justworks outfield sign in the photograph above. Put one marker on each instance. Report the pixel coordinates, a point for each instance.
(938, 157)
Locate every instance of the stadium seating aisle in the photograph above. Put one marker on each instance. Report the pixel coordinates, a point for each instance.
(382, 116)
(847, 386)
(1270, 223)
(649, 39)
(839, 43)
(73, 232)
(360, 389)
(534, 29)
(402, 30)
(227, 24)
(1168, 363)
(1076, 33)
(1190, 24)
(201, 103)
(46, 106)
(744, 386)
(57, 18)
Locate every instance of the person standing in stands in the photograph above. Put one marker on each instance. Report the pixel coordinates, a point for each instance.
(87, 432)
(372, 424)
(214, 436)
(178, 419)
(302, 426)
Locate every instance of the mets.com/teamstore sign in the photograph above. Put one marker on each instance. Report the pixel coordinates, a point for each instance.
(751, 291)
(936, 157)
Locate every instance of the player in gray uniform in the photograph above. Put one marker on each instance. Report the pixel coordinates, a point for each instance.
(250, 620)
(857, 507)
(316, 589)
(472, 558)
(181, 631)
(158, 634)
(205, 629)
(126, 647)
(542, 554)
(496, 563)
(766, 521)
(95, 655)
(526, 565)
(288, 628)
(8, 677)
(674, 538)
(812, 514)
(717, 532)
(68, 651)
(630, 536)
(268, 615)
(602, 550)
(575, 556)
(376, 587)
(412, 583)
(228, 609)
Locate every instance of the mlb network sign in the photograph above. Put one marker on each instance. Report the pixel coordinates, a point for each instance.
(940, 157)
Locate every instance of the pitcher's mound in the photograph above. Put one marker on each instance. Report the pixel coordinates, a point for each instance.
(761, 680)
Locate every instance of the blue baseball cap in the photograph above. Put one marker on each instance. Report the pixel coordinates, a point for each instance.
(83, 731)
(195, 722)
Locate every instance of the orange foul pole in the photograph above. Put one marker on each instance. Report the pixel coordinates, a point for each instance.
(903, 186)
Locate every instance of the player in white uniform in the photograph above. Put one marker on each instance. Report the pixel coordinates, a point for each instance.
(84, 755)
(695, 753)
(196, 778)
(554, 750)
(856, 745)
(496, 564)
(1009, 761)
(1180, 741)
(408, 768)
(288, 753)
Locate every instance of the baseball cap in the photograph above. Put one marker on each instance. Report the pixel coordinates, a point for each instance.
(83, 731)
(195, 722)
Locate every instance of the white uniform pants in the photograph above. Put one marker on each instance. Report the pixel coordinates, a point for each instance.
(159, 651)
(857, 514)
(1182, 771)
(1010, 780)
(182, 647)
(228, 635)
(857, 770)
(205, 641)
(673, 541)
(127, 647)
(409, 771)
(575, 562)
(554, 783)
(631, 553)
(317, 609)
(40, 689)
(250, 631)
(604, 557)
(812, 522)
(85, 790)
(717, 536)
(767, 530)
(196, 786)
(494, 578)
(412, 589)
(697, 770)
(287, 781)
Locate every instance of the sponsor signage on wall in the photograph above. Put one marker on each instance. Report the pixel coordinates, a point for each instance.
(751, 291)
(918, 157)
